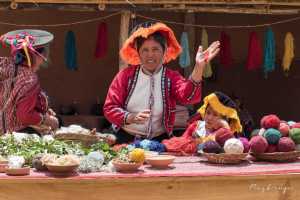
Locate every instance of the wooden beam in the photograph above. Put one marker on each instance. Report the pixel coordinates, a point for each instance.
(124, 30)
(236, 10)
(161, 2)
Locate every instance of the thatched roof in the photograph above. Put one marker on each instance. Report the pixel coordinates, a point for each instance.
(222, 6)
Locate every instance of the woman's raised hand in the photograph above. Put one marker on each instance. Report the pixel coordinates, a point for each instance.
(202, 58)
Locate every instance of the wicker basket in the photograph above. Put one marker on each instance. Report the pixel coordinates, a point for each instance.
(277, 156)
(85, 138)
(225, 158)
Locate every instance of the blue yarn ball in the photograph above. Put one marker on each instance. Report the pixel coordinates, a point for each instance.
(272, 135)
(145, 144)
(156, 146)
(137, 143)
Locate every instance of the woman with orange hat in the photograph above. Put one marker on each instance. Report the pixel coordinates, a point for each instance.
(23, 104)
(141, 99)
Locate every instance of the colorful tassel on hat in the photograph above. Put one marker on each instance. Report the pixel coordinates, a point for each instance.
(204, 42)
(255, 54)
(70, 51)
(269, 59)
(184, 58)
(225, 51)
(288, 52)
(102, 41)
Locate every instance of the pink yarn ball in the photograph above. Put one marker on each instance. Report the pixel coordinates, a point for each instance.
(258, 144)
(286, 144)
(246, 144)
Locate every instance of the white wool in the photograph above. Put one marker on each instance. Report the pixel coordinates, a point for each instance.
(233, 145)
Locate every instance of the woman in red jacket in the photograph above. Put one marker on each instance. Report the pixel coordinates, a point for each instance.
(141, 99)
(23, 104)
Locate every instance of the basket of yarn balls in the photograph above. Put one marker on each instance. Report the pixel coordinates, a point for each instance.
(226, 149)
(276, 141)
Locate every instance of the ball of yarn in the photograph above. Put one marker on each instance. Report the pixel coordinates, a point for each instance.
(137, 155)
(284, 129)
(211, 147)
(272, 136)
(286, 144)
(156, 146)
(246, 144)
(270, 121)
(258, 144)
(291, 123)
(271, 148)
(295, 135)
(254, 133)
(233, 145)
(137, 143)
(145, 144)
(223, 134)
(295, 125)
(261, 131)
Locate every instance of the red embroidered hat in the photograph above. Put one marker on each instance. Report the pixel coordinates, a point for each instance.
(129, 52)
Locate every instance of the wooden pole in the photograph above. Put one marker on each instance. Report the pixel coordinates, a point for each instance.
(124, 30)
(190, 18)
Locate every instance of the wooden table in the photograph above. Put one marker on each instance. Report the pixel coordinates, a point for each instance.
(266, 182)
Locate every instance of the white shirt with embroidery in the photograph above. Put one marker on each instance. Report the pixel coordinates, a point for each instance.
(139, 101)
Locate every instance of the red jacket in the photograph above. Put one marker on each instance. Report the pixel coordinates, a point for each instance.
(175, 88)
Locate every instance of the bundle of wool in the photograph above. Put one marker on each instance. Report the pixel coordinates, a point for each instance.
(284, 129)
(137, 155)
(233, 145)
(261, 131)
(270, 121)
(254, 133)
(295, 135)
(271, 148)
(295, 125)
(150, 145)
(223, 134)
(211, 147)
(291, 123)
(286, 144)
(272, 136)
(258, 144)
(246, 144)
(180, 145)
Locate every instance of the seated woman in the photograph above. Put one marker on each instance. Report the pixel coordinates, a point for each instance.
(217, 112)
(23, 104)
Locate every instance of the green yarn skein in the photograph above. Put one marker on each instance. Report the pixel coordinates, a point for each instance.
(295, 135)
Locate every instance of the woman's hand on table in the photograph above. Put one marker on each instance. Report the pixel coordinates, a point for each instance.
(138, 118)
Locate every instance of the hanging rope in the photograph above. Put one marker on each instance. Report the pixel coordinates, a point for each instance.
(218, 26)
(155, 19)
(63, 24)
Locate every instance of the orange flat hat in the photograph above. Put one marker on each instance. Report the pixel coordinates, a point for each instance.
(130, 54)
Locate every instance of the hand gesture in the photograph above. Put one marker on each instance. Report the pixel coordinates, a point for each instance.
(138, 118)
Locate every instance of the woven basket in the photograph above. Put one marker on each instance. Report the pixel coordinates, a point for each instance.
(277, 156)
(225, 158)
